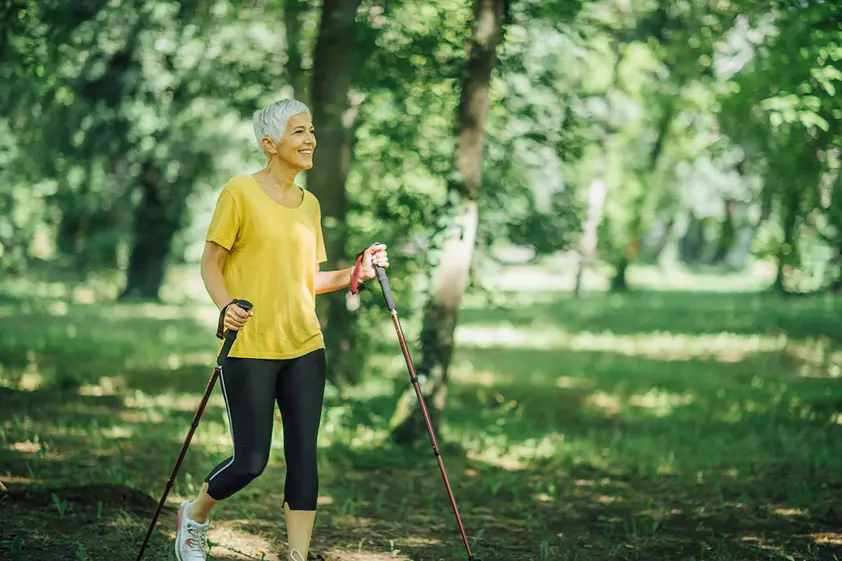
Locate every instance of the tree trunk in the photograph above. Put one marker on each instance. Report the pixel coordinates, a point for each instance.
(619, 281)
(157, 219)
(727, 234)
(293, 9)
(334, 117)
(452, 274)
(597, 188)
(789, 217)
(89, 232)
(666, 250)
(596, 204)
(693, 242)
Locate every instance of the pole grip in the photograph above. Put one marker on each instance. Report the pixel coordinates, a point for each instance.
(384, 285)
(230, 335)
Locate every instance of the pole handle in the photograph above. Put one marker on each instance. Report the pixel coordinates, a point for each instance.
(384, 285)
(230, 335)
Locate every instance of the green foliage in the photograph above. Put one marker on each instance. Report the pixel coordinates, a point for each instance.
(101, 95)
(783, 110)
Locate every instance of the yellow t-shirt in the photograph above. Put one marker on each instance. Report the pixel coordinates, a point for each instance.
(274, 251)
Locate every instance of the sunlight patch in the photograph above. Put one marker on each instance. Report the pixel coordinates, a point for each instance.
(147, 416)
(606, 402)
(107, 385)
(661, 402)
(58, 308)
(416, 541)
(498, 451)
(790, 512)
(817, 358)
(608, 499)
(117, 431)
(181, 402)
(31, 380)
(567, 382)
(724, 347)
(232, 543)
(17, 479)
(362, 555)
(27, 446)
(827, 538)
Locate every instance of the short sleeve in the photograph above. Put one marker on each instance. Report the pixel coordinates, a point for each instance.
(225, 222)
(321, 254)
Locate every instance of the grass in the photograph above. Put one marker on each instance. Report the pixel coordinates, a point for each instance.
(657, 425)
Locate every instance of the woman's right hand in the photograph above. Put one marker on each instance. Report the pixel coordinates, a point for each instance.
(236, 317)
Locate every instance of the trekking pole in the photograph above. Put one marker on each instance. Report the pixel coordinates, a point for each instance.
(228, 340)
(390, 302)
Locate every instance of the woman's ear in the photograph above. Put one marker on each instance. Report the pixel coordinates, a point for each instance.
(268, 145)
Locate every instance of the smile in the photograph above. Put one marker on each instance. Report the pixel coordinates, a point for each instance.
(306, 152)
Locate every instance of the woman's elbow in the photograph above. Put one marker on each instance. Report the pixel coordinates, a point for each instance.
(213, 259)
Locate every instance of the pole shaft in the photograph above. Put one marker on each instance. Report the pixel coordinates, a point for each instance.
(430, 432)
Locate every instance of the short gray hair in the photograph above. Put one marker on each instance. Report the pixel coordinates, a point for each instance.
(272, 120)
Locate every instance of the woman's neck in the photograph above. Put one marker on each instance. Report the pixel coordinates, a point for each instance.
(279, 175)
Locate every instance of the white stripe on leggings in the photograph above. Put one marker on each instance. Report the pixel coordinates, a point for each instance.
(231, 424)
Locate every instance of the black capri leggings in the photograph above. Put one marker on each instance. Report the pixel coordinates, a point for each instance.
(250, 388)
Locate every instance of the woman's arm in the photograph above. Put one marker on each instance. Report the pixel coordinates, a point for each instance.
(213, 259)
(330, 281)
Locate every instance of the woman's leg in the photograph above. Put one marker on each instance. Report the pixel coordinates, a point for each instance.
(248, 389)
(300, 395)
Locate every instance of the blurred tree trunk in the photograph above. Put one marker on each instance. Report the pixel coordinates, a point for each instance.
(789, 218)
(157, 219)
(618, 281)
(597, 189)
(596, 204)
(334, 116)
(293, 10)
(452, 272)
(693, 242)
(89, 232)
(727, 234)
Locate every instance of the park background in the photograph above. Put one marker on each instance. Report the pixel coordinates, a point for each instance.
(614, 228)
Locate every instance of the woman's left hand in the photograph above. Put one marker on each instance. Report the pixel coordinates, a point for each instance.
(373, 256)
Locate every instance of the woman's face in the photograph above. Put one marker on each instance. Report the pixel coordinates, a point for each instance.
(297, 143)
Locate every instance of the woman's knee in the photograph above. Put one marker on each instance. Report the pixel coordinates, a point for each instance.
(252, 466)
(235, 477)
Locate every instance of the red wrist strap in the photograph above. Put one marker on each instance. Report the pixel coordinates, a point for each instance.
(356, 285)
(220, 328)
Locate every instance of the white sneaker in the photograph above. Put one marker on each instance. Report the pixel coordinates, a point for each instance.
(191, 541)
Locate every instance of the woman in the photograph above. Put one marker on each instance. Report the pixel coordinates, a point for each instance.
(265, 244)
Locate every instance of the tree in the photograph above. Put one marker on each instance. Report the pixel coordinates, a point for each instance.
(132, 103)
(452, 273)
(782, 109)
(335, 111)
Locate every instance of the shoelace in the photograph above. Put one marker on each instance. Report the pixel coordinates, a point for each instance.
(296, 555)
(200, 535)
